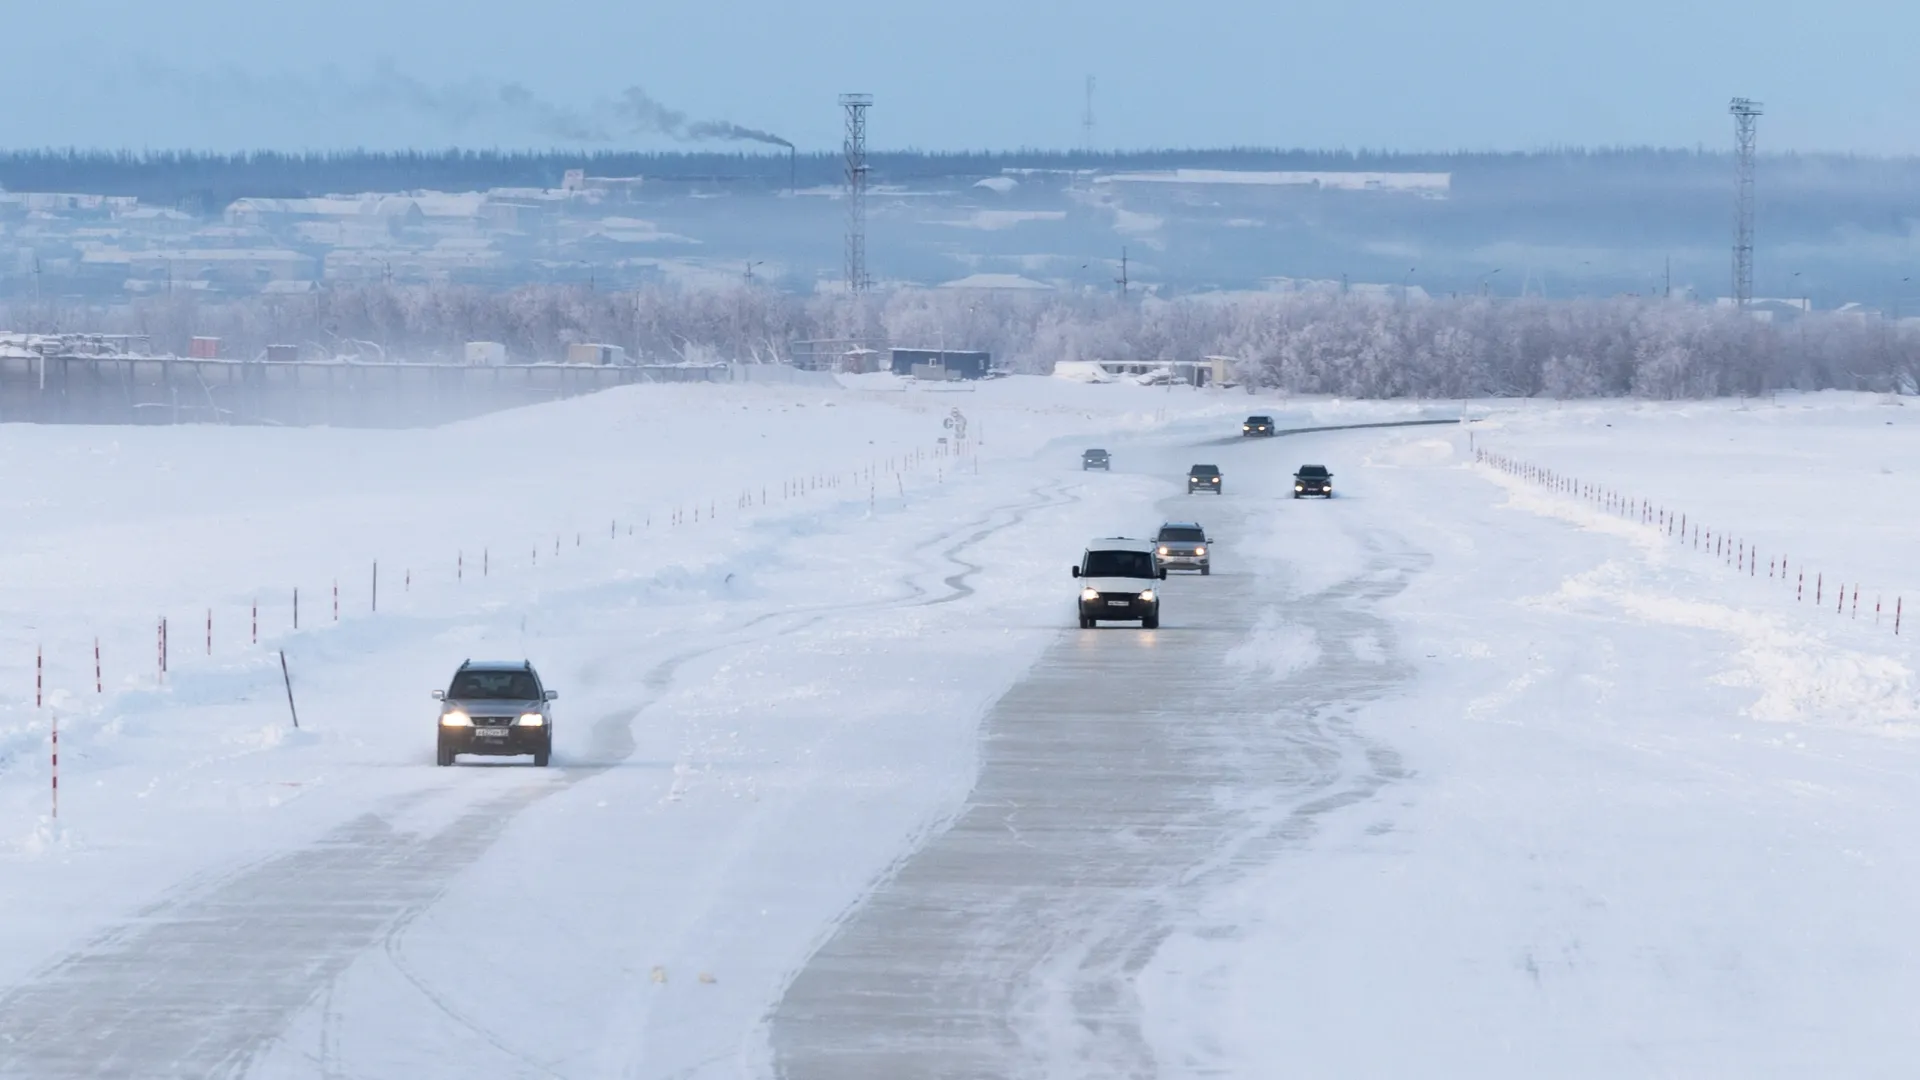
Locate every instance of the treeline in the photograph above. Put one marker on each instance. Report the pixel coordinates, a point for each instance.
(1326, 343)
(204, 183)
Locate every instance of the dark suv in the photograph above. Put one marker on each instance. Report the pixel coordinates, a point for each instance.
(1203, 478)
(1313, 480)
(497, 708)
(1096, 459)
(1257, 425)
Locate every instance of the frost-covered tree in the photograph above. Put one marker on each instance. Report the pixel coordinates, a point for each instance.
(1304, 342)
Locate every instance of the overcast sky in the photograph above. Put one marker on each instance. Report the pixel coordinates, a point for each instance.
(1403, 74)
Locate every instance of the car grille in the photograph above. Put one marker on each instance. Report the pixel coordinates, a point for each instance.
(1127, 596)
(494, 721)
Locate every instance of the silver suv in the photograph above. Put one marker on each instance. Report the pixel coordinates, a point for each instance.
(1183, 546)
(497, 708)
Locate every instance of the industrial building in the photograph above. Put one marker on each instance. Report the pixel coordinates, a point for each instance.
(941, 363)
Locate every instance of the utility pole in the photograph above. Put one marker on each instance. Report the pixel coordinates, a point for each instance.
(750, 266)
(1669, 291)
(1744, 111)
(1122, 279)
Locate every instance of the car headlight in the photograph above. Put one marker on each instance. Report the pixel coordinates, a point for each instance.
(1216, 479)
(1090, 594)
(455, 718)
(530, 719)
(1199, 551)
(1147, 596)
(1163, 549)
(1299, 487)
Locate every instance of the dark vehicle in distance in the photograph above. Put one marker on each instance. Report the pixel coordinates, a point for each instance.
(1096, 459)
(1117, 577)
(497, 709)
(1183, 546)
(1257, 425)
(1203, 478)
(1313, 480)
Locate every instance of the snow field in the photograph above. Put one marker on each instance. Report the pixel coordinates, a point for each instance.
(1655, 815)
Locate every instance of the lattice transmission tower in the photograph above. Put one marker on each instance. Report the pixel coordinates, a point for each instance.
(1745, 112)
(1086, 120)
(855, 149)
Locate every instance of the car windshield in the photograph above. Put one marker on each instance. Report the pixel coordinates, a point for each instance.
(1206, 470)
(1313, 470)
(1136, 564)
(496, 685)
(1259, 419)
(1096, 453)
(1182, 535)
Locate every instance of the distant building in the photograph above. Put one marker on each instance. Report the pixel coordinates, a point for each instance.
(596, 355)
(1158, 372)
(964, 365)
(1428, 184)
(998, 283)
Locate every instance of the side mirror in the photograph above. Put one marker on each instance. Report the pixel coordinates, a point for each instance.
(1163, 573)
(1076, 571)
(552, 694)
(439, 695)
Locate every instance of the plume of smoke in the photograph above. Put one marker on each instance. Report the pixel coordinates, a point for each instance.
(648, 116)
(726, 129)
(462, 106)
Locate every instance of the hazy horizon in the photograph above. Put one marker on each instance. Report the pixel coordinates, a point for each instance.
(427, 73)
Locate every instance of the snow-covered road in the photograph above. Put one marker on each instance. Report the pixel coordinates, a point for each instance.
(1119, 779)
(839, 791)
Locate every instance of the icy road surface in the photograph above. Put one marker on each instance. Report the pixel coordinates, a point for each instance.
(1126, 772)
(1448, 776)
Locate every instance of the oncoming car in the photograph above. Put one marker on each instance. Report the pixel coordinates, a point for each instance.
(1203, 478)
(1313, 480)
(1117, 583)
(495, 708)
(1183, 546)
(1257, 425)
(1096, 459)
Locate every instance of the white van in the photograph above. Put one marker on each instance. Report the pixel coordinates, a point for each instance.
(1119, 581)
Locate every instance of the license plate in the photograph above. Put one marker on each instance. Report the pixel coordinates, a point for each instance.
(490, 732)
(1116, 603)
